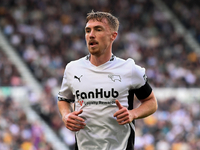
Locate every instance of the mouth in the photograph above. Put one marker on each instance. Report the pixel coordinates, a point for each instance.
(93, 43)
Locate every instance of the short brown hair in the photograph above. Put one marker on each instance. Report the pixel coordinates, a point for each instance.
(112, 20)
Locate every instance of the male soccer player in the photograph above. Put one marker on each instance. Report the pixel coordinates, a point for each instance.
(99, 84)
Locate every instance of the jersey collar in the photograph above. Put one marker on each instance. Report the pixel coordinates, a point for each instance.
(111, 58)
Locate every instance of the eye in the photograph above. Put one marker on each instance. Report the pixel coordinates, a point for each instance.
(99, 29)
(87, 31)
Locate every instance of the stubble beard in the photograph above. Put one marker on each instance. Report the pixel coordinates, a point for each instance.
(94, 51)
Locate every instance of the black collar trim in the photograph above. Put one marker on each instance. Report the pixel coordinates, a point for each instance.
(111, 59)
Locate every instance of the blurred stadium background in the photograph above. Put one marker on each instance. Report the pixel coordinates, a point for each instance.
(39, 37)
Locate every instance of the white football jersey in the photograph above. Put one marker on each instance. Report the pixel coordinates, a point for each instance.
(94, 89)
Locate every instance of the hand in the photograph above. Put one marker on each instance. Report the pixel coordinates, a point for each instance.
(123, 114)
(73, 122)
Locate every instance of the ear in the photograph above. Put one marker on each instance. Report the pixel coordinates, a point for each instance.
(114, 35)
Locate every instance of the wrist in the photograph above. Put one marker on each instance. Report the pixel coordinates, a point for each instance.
(134, 115)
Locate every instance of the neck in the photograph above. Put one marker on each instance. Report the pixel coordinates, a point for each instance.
(99, 60)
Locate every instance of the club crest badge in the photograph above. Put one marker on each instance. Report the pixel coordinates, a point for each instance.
(115, 77)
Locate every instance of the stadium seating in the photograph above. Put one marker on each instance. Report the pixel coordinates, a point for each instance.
(10, 76)
(16, 131)
(188, 12)
(49, 34)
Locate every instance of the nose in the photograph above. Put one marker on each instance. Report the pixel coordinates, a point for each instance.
(92, 34)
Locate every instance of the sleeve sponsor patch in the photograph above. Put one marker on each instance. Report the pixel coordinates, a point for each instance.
(145, 78)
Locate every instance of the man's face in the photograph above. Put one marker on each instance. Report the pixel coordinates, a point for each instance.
(98, 36)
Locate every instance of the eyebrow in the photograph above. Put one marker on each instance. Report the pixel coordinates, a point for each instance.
(95, 27)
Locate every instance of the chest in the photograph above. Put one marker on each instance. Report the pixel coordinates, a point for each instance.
(86, 84)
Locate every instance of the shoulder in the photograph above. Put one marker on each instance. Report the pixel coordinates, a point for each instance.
(130, 64)
(77, 62)
(127, 62)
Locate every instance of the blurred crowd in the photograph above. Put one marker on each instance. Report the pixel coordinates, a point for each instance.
(9, 75)
(174, 126)
(46, 106)
(48, 34)
(16, 132)
(188, 11)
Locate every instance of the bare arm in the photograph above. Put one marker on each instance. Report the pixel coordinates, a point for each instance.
(71, 119)
(64, 107)
(148, 106)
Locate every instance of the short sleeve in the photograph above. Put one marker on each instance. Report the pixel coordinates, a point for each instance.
(65, 93)
(139, 77)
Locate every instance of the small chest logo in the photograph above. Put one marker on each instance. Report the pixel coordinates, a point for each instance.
(78, 78)
(115, 77)
(80, 102)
